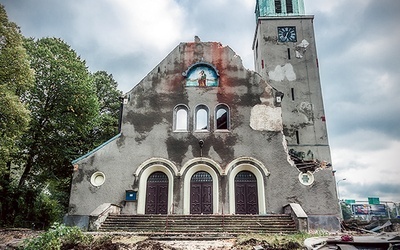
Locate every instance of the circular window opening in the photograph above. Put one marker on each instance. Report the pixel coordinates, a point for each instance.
(98, 179)
(306, 178)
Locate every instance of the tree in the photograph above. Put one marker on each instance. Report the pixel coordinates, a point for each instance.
(346, 211)
(64, 109)
(70, 112)
(63, 105)
(16, 77)
(109, 100)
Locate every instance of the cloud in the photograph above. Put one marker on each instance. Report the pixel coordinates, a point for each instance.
(360, 192)
(359, 69)
(128, 26)
(357, 49)
(375, 170)
(224, 21)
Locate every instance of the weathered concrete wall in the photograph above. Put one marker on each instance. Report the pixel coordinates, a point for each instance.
(292, 67)
(148, 142)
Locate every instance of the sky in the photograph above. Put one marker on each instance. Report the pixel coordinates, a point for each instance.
(357, 45)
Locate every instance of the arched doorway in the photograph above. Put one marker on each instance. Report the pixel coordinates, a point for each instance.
(201, 193)
(246, 195)
(157, 194)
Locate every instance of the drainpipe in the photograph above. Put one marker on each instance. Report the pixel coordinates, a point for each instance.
(123, 101)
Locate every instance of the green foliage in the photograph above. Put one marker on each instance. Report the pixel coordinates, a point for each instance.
(14, 120)
(56, 236)
(50, 210)
(108, 96)
(15, 72)
(346, 211)
(52, 110)
(16, 78)
(63, 108)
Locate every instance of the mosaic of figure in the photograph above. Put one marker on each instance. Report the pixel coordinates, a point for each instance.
(202, 76)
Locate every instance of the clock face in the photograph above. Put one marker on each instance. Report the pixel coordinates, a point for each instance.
(287, 34)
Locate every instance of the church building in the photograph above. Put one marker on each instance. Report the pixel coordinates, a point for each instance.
(201, 134)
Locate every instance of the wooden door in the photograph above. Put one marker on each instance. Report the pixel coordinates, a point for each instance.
(157, 194)
(246, 195)
(201, 197)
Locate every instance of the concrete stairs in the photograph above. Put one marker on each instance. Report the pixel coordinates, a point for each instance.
(204, 225)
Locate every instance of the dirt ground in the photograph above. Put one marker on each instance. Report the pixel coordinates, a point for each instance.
(12, 238)
(9, 238)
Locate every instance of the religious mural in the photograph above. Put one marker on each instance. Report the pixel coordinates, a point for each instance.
(201, 75)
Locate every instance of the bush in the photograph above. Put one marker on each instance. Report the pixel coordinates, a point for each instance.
(47, 210)
(55, 237)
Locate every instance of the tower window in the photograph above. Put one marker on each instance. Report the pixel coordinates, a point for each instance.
(181, 118)
(278, 6)
(201, 118)
(222, 117)
(288, 53)
(297, 137)
(292, 92)
(289, 6)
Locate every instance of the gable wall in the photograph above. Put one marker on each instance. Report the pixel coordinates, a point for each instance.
(147, 133)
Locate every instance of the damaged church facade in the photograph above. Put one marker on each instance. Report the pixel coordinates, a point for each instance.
(201, 134)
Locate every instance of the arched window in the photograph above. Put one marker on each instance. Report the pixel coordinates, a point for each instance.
(201, 118)
(222, 118)
(181, 118)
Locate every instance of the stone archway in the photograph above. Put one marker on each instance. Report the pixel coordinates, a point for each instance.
(259, 171)
(189, 170)
(144, 171)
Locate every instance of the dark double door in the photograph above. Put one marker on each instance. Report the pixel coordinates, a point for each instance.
(157, 194)
(246, 195)
(201, 193)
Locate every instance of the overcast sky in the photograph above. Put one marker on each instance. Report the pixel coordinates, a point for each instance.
(357, 43)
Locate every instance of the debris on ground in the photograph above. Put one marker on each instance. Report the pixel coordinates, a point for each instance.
(372, 226)
(11, 238)
(225, 244)
(263, 244)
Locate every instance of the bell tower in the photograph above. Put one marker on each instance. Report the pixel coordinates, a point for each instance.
(285, 55)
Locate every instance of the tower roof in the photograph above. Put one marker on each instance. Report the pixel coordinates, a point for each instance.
(279, 8)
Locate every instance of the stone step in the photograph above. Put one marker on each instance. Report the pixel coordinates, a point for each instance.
(200, 223)
(211, 230)
(186, 227)
(208, 223)
(199, 220)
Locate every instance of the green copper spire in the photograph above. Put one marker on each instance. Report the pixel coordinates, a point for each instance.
(279, 8)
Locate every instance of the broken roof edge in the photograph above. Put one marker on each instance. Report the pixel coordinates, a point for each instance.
(96, 149)
(201, 61)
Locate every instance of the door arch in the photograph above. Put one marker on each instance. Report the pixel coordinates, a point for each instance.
(201, 193)
(157, 193)
(246, 195)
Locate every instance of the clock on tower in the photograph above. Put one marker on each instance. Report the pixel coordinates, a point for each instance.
(287, 34)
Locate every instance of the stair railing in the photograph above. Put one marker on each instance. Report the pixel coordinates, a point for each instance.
(166, 220)
(223, 219)
(100, 214)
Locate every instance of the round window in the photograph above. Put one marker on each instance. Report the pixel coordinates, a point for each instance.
(306, 178)
(98, 179)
